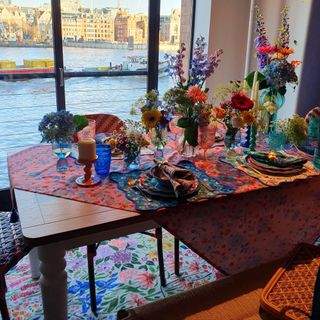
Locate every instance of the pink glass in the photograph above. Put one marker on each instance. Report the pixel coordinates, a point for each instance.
(206, 138)
(89, 131)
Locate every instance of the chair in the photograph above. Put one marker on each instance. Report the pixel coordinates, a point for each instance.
(12, 249)
(107, 123)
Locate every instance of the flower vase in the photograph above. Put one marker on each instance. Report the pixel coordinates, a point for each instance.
(158, 137)
(273, 101)
(61, 150)
(132, 160)
(230, 143)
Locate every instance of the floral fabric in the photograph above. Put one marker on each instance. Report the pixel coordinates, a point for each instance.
(253, 225)
(127, 275)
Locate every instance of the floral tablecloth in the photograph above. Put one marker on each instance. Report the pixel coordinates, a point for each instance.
(254, 225)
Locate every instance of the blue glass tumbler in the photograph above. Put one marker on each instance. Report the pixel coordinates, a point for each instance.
(102, 165)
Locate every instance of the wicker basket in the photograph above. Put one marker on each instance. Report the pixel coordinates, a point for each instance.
(289, 293)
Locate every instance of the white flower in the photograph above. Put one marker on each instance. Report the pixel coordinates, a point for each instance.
(270, 107)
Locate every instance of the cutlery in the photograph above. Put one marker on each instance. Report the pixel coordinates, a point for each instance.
(133, 183)
(206, 185)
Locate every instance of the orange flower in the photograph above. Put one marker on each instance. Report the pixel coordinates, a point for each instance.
(285, 51)
(196, 94)
(296, 63)
(220, 113)
(247, 117)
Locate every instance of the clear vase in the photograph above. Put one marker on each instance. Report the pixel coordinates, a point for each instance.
(185, 149)
(277, 99)
(132, 160)
(158, 137)
(61, 150)
(230, 143)
(276, 140)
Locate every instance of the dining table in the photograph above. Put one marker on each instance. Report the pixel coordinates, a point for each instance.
(247, 220)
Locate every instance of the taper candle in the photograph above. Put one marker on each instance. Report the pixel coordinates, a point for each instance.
(87, 149)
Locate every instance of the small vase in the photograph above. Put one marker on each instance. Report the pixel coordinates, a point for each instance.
(277, 99)
(276, 140)
(158, 137)
(132, 160)
(61, 150)
(185, 149)
(230, 142)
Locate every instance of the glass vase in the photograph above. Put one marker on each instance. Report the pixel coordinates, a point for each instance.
(230, 143)
(277, 99)
(158, 137)
(132, 160)
(185, 149)
(61, 150)
(276, 140)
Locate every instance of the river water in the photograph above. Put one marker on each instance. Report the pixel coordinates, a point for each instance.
(23, 103)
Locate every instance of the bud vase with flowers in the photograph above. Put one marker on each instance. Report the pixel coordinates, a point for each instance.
(235, 112)
(130, 140)
(155, 118)
(187, 97)
(58, 128)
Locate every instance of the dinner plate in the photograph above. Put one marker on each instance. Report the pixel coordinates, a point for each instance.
(274, 171)
(153, 187)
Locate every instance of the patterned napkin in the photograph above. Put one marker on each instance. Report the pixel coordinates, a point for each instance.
(180, 179)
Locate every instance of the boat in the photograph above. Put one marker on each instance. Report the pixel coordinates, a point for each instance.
(31, 68)
(131, 63)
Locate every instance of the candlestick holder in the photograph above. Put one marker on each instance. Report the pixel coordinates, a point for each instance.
(88, 179)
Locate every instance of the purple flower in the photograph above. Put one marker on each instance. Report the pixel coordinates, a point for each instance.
(121, 257)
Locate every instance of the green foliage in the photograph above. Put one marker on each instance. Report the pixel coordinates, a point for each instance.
(80, 122)
(261, 79)
(296, 131)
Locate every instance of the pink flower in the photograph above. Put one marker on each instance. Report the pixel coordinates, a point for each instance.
(126, 275)
(146, 279)
(136, 300)
(120, 244)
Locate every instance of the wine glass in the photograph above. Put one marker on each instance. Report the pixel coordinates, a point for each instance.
(207, 137)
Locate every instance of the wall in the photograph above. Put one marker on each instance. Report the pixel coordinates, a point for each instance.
(229, 23)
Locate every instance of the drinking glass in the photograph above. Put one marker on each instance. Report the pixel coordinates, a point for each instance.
(206, 138)
(102, 165)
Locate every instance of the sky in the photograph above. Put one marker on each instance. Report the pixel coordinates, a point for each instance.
(134, 5)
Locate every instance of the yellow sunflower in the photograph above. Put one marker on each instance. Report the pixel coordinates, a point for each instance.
(151, 118)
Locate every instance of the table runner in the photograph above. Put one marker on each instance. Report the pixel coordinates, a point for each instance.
(252, 226)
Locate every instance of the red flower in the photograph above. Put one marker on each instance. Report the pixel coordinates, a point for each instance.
(241, 102)
(196, 94)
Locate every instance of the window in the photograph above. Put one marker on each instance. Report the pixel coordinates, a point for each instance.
(96, 42)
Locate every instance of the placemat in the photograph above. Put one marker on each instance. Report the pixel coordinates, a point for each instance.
(272, 180)
(142, 204)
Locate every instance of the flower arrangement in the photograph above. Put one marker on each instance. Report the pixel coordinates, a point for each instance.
(187, 97)
(60, 126)
(275, 71)
(155, 117)
(236, 109)
(296, 130)
(130, 140)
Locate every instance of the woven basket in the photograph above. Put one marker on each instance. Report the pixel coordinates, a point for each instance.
(289, 293)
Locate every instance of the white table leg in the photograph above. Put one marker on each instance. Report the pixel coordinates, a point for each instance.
(53, 281)
(34, 263)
